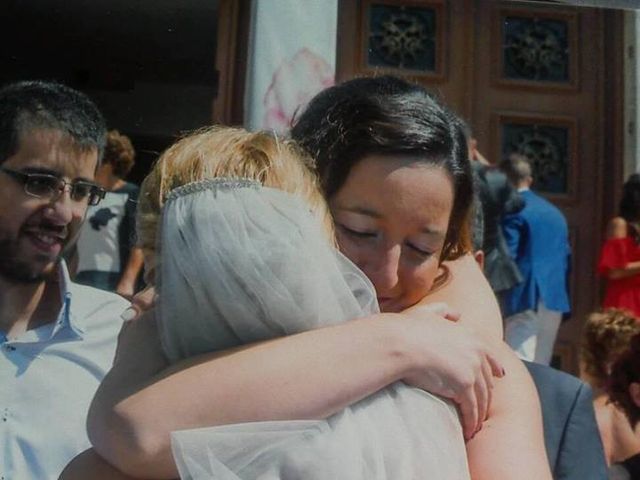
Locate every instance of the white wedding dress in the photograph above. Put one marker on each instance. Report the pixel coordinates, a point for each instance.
(242, 263)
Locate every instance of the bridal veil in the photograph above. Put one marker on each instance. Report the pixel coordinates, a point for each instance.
(242, 263)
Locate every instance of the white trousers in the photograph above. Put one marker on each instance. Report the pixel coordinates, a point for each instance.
(532, 334)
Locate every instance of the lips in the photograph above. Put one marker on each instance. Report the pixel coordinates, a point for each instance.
(46, 241)
(385, 303)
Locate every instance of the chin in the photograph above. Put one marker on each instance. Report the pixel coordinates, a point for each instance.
(391, 306)
(25, 273)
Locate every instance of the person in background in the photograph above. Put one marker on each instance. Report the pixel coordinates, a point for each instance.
(606, 335)
(619, 260)
(57, 338)
(538, 240)
(624, 391)
(497, 197)
(107, 255)
(571, 436)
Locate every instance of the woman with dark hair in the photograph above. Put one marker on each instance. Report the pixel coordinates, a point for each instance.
(619, 260)
(624, 392)
(400, 202)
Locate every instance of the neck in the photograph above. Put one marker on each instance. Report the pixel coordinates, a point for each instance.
(27, 306)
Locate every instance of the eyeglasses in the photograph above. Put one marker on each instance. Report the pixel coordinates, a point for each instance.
(43, 185)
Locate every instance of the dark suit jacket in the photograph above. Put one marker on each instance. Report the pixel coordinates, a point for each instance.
(497, 198)
(571, 433)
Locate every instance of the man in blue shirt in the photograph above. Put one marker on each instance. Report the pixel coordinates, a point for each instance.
(57, 339)
(538, 240)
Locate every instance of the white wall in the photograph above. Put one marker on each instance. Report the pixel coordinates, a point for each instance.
(631, 96)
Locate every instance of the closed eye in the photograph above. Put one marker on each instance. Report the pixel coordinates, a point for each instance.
(420, 251)
(357, 233)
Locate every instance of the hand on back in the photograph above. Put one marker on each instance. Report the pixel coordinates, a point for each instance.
(452, 361)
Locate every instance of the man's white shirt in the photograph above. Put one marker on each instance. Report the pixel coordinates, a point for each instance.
(48, 377)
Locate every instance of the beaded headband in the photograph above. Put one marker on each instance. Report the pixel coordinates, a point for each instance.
(211, 184)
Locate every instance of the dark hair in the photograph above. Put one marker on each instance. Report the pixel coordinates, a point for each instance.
(630, 202)
(624, 372)
(516, 167)
(37, 104)
(119, 153)
(387, 115)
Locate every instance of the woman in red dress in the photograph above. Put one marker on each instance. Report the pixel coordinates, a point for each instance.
(620, 255)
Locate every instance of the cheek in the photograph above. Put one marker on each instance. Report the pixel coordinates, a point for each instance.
(13, 220)
(349, 248)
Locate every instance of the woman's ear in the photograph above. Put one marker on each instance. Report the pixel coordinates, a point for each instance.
(634, 393)
(478, 255)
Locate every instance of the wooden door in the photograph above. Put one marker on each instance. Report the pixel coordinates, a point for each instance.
(528, 78)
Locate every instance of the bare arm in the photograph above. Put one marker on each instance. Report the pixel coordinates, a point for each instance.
(629, 270)
(89, 464)
(127, 284)
(511, 442)
(309, 375)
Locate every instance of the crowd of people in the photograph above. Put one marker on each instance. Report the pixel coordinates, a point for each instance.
(315, 304)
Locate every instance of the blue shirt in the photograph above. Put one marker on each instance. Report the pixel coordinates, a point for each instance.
(538, 241)
(48, 377)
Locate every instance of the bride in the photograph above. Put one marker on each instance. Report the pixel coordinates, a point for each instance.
(246, 254)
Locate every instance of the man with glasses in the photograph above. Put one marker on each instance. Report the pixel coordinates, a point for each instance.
(57, 339)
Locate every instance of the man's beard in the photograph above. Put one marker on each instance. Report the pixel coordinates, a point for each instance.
(15, 269)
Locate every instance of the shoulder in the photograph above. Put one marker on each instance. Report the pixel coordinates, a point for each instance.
(130, 189)
(94, 309)
(557, 384)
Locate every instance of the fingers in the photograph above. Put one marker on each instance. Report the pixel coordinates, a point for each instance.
(475, 400)
(488, 382)
(452, 315)
(468, 405)
(442, 309)
(140, 303)
(496, 366)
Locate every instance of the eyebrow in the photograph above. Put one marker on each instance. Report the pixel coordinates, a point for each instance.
(434, 232)
(362, 211)
(53, 173)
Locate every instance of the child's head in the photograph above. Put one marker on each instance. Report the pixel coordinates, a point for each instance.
(606, 334)
(624, 384)
(225, 152)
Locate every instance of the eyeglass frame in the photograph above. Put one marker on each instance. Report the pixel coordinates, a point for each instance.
(96, 192)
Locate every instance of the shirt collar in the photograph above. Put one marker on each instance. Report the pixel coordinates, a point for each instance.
(66, 318)
(523, 189)
(66, 324)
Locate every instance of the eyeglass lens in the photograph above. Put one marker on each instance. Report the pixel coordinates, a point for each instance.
(48, 185)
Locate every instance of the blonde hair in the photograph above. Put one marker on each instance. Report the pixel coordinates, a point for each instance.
(225, 152)
(606, 335)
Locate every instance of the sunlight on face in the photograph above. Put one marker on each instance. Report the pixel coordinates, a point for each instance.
(391, 216)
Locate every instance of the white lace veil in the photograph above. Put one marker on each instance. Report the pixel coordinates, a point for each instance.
(240, 262)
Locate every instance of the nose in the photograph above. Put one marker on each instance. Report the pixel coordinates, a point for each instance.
(383, 269)
(62, 210)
